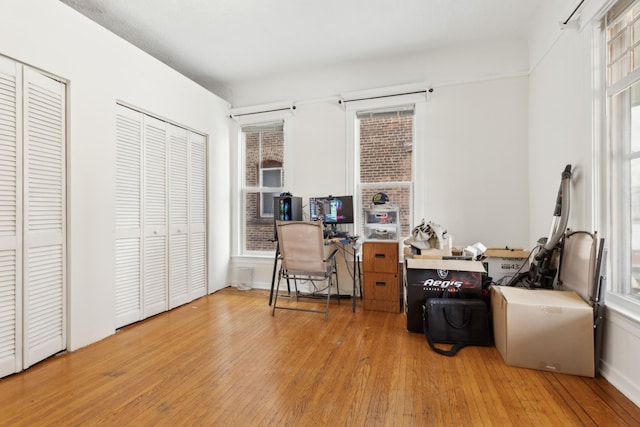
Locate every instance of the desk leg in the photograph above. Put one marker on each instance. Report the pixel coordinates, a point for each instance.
(273, 276)
(356, 273)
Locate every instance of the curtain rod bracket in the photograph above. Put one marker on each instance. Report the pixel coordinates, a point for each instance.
(573, 25)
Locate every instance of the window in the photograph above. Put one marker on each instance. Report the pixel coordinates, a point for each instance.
(385, 145)
(622, 34)
(263, 178)
(269, 177)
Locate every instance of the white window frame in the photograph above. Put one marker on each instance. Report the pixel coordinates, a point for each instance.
(238, 205)
(613, 193)
(418, 184)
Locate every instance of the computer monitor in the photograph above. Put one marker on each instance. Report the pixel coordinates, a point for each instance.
(331, 209)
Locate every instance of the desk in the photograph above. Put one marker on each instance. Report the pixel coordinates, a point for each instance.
(347, 266)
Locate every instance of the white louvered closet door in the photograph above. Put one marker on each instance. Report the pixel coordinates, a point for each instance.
(160, 216)
(178, 217)
(198, 215)
(154, 280)
(44, 216)
(10, 221)
(128, 251)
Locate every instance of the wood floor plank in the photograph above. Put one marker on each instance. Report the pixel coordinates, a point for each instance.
(225, 360)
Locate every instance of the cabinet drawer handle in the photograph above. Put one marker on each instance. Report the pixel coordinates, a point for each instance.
(379, 255)
(381, 283)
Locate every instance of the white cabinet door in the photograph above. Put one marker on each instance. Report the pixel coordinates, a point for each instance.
(198, 215)
(160, 216)
(128, 251)
(10, 220)
(32, 217)
(154, 267)
(44, 216)
(178, 217)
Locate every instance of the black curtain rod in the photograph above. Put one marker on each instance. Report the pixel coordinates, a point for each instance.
(430, 90)
(573, 13)
(260, 112)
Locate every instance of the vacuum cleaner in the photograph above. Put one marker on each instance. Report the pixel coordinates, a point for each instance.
(544, 266)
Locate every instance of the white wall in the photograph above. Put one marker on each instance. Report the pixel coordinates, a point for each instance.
(440, 67)
(102, 69)
(474, 157)
(560, 123)
(476, 162)
(563, 130)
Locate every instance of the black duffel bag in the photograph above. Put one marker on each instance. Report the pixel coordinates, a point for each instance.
(458, 321)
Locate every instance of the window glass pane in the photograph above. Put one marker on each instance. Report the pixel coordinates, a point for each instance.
(263, 168)
(617, 47)
(262, 149)
(635, 32)
(259, 232)
(617, 70)
(635, 226)
(399, 197)
(386, 144)
(615, 29)
(271, 177)
(635, 63)
(266, 204)
(385, 149)
(634, 135)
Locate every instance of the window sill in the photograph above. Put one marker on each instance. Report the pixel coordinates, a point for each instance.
(624, 305)
(258, 256)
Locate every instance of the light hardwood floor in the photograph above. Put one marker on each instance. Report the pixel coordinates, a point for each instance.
(223, 360)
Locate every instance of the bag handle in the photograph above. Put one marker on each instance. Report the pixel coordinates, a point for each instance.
(466, 318)
(452, 351)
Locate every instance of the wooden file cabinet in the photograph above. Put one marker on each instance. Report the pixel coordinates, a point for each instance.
(381, 276)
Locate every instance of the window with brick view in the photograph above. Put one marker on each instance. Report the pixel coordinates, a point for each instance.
(264, 153)
(386, 141)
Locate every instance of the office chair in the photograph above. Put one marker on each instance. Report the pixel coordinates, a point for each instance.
(302, 254)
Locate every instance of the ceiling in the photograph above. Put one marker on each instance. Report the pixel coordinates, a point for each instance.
(221, 43)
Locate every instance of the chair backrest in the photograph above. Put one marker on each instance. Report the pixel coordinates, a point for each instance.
(301, 245)
(578, 264)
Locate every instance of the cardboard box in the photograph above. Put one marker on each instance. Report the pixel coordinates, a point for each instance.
(428, 278)
(503, 264)
(543, 329)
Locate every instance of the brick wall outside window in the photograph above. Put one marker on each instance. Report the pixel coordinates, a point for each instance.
(385, 156)
(267, 151)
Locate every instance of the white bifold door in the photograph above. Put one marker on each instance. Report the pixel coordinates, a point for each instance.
(160, 216)
(32, 217)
